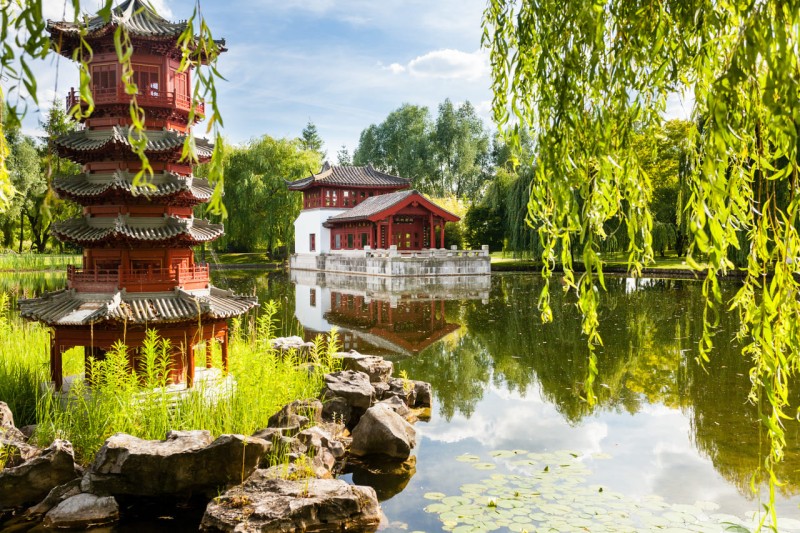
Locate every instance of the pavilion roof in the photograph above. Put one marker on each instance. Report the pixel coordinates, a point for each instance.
(158, 141)
(136, 16)
(349, 176)
(92, 231)
(162, 184)
(377, 207)
(69, 307)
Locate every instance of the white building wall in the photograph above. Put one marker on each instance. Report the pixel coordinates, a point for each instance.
(310, 316)
(310, 221)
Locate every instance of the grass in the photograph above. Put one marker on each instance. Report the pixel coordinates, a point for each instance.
(505, 262)
(138, 404)
(30, 262)
(257, 258)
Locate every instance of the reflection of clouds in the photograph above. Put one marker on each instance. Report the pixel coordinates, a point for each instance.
(506, 420)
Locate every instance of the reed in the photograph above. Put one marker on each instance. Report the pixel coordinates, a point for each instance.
(141, 403)
(29, 262)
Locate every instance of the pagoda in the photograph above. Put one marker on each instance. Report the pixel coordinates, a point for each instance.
(138, 270)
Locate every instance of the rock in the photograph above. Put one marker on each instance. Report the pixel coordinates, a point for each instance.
(296, 415)
(83, 511)
(397, 405)
(401, 388)
(269, 505)
(16, 452)
(8, 430)
(284, 344)
(31, 481)
(28, 431)
(185, 462)
(383, 432)
(53, 498)
(424, 394)
(348, 394)
(316, 438)
(377, 368)
(268, 434)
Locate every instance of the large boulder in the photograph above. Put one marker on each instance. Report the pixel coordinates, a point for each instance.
(8, 430)
(16, 452)
(383, 432)
(377, 368)
(317, 438)
(398, 388)
(348, 392)
(83, 511)
(185, 462)
(53, 498)
(423, 393)
(267, 505)
(31, 481)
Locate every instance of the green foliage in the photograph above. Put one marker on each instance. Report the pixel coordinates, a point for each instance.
(587, 76)
(262, 210)
(311, 141)
(448, 156)
(483, 225)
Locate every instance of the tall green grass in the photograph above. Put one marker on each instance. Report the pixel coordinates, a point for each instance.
(29, 262)
(141, 403)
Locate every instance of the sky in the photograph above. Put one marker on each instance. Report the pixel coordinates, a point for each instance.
(341, 64)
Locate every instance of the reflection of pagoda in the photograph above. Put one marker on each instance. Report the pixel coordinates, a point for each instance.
(404, 326)
(138, 267)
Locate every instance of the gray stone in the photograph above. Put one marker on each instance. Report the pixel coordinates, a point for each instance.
(296, 415)
(6, 417)
(16, 452)
(53, 498)
(401, 388)
(424, 394)
(31, 481)
(337, 409)
(353, 386)
(83, 511)
(397, 405)
(265, 504)
(185, 462)
(316, 438)
(383, 432)
(377, 368)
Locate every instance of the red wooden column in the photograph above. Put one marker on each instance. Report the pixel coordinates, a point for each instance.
(441, 234)
(432, 232)
(389, 236)
(225, 351)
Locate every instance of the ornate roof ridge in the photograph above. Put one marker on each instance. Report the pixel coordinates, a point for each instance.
(136, 16)
(349, 176)
(162, 184)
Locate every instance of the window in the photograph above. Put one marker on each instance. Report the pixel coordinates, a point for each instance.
(312, 242)
(350, 240)
(312, 297)
(364, 240)
(346, 198)
(147, 79)
(104, 79)
(337, 242)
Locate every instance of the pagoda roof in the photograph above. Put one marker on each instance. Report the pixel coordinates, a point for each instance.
(349, 176)
(162, 184)
(167, 229)
(158, 141)
(69, 307)
(377, 207)
(136, 16)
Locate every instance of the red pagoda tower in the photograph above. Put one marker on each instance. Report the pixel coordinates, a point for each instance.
(138, 270)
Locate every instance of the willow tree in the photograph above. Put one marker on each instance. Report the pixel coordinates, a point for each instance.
(584, 76)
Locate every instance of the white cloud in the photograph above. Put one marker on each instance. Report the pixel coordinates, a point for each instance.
(395, 68)
(450, 64)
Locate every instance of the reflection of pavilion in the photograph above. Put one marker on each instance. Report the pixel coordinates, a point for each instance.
(373, 320)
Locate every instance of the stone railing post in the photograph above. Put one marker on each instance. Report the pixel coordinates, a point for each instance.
(393, 250)
(485, 250)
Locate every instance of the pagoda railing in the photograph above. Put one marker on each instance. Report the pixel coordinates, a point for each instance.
(145, 280)
(148, 97)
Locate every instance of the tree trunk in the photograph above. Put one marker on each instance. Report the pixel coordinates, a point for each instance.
(21, 230)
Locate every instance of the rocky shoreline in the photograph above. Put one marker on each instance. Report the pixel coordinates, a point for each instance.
(280, 479)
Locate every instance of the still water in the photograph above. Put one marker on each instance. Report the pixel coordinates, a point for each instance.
(666, 434)
(510, 443)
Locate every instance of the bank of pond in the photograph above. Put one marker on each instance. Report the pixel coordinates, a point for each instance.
(510, 444)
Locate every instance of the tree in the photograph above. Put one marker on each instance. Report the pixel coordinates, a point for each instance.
(587, 76)
(343, 157)
(261, 209)
(399, 145)
(310, 140)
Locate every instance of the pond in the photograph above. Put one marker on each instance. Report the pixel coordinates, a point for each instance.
(511, 445)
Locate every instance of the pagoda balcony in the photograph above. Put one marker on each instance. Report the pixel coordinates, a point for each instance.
(148, 98)
(149, 280)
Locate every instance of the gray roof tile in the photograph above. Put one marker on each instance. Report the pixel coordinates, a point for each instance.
(164, 184)
(349, 176)
(71, 308)
(93, 230)
(376, 204)
(135, 15)
(157, 141)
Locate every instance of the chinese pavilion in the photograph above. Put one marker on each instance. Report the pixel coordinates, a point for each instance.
(350, 208)
(138, 270)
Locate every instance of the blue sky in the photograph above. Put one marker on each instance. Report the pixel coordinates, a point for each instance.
(342, 64)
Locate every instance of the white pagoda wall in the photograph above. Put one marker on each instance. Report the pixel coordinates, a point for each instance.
(310, 221)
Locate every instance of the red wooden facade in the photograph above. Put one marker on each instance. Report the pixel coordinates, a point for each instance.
(138, 270)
